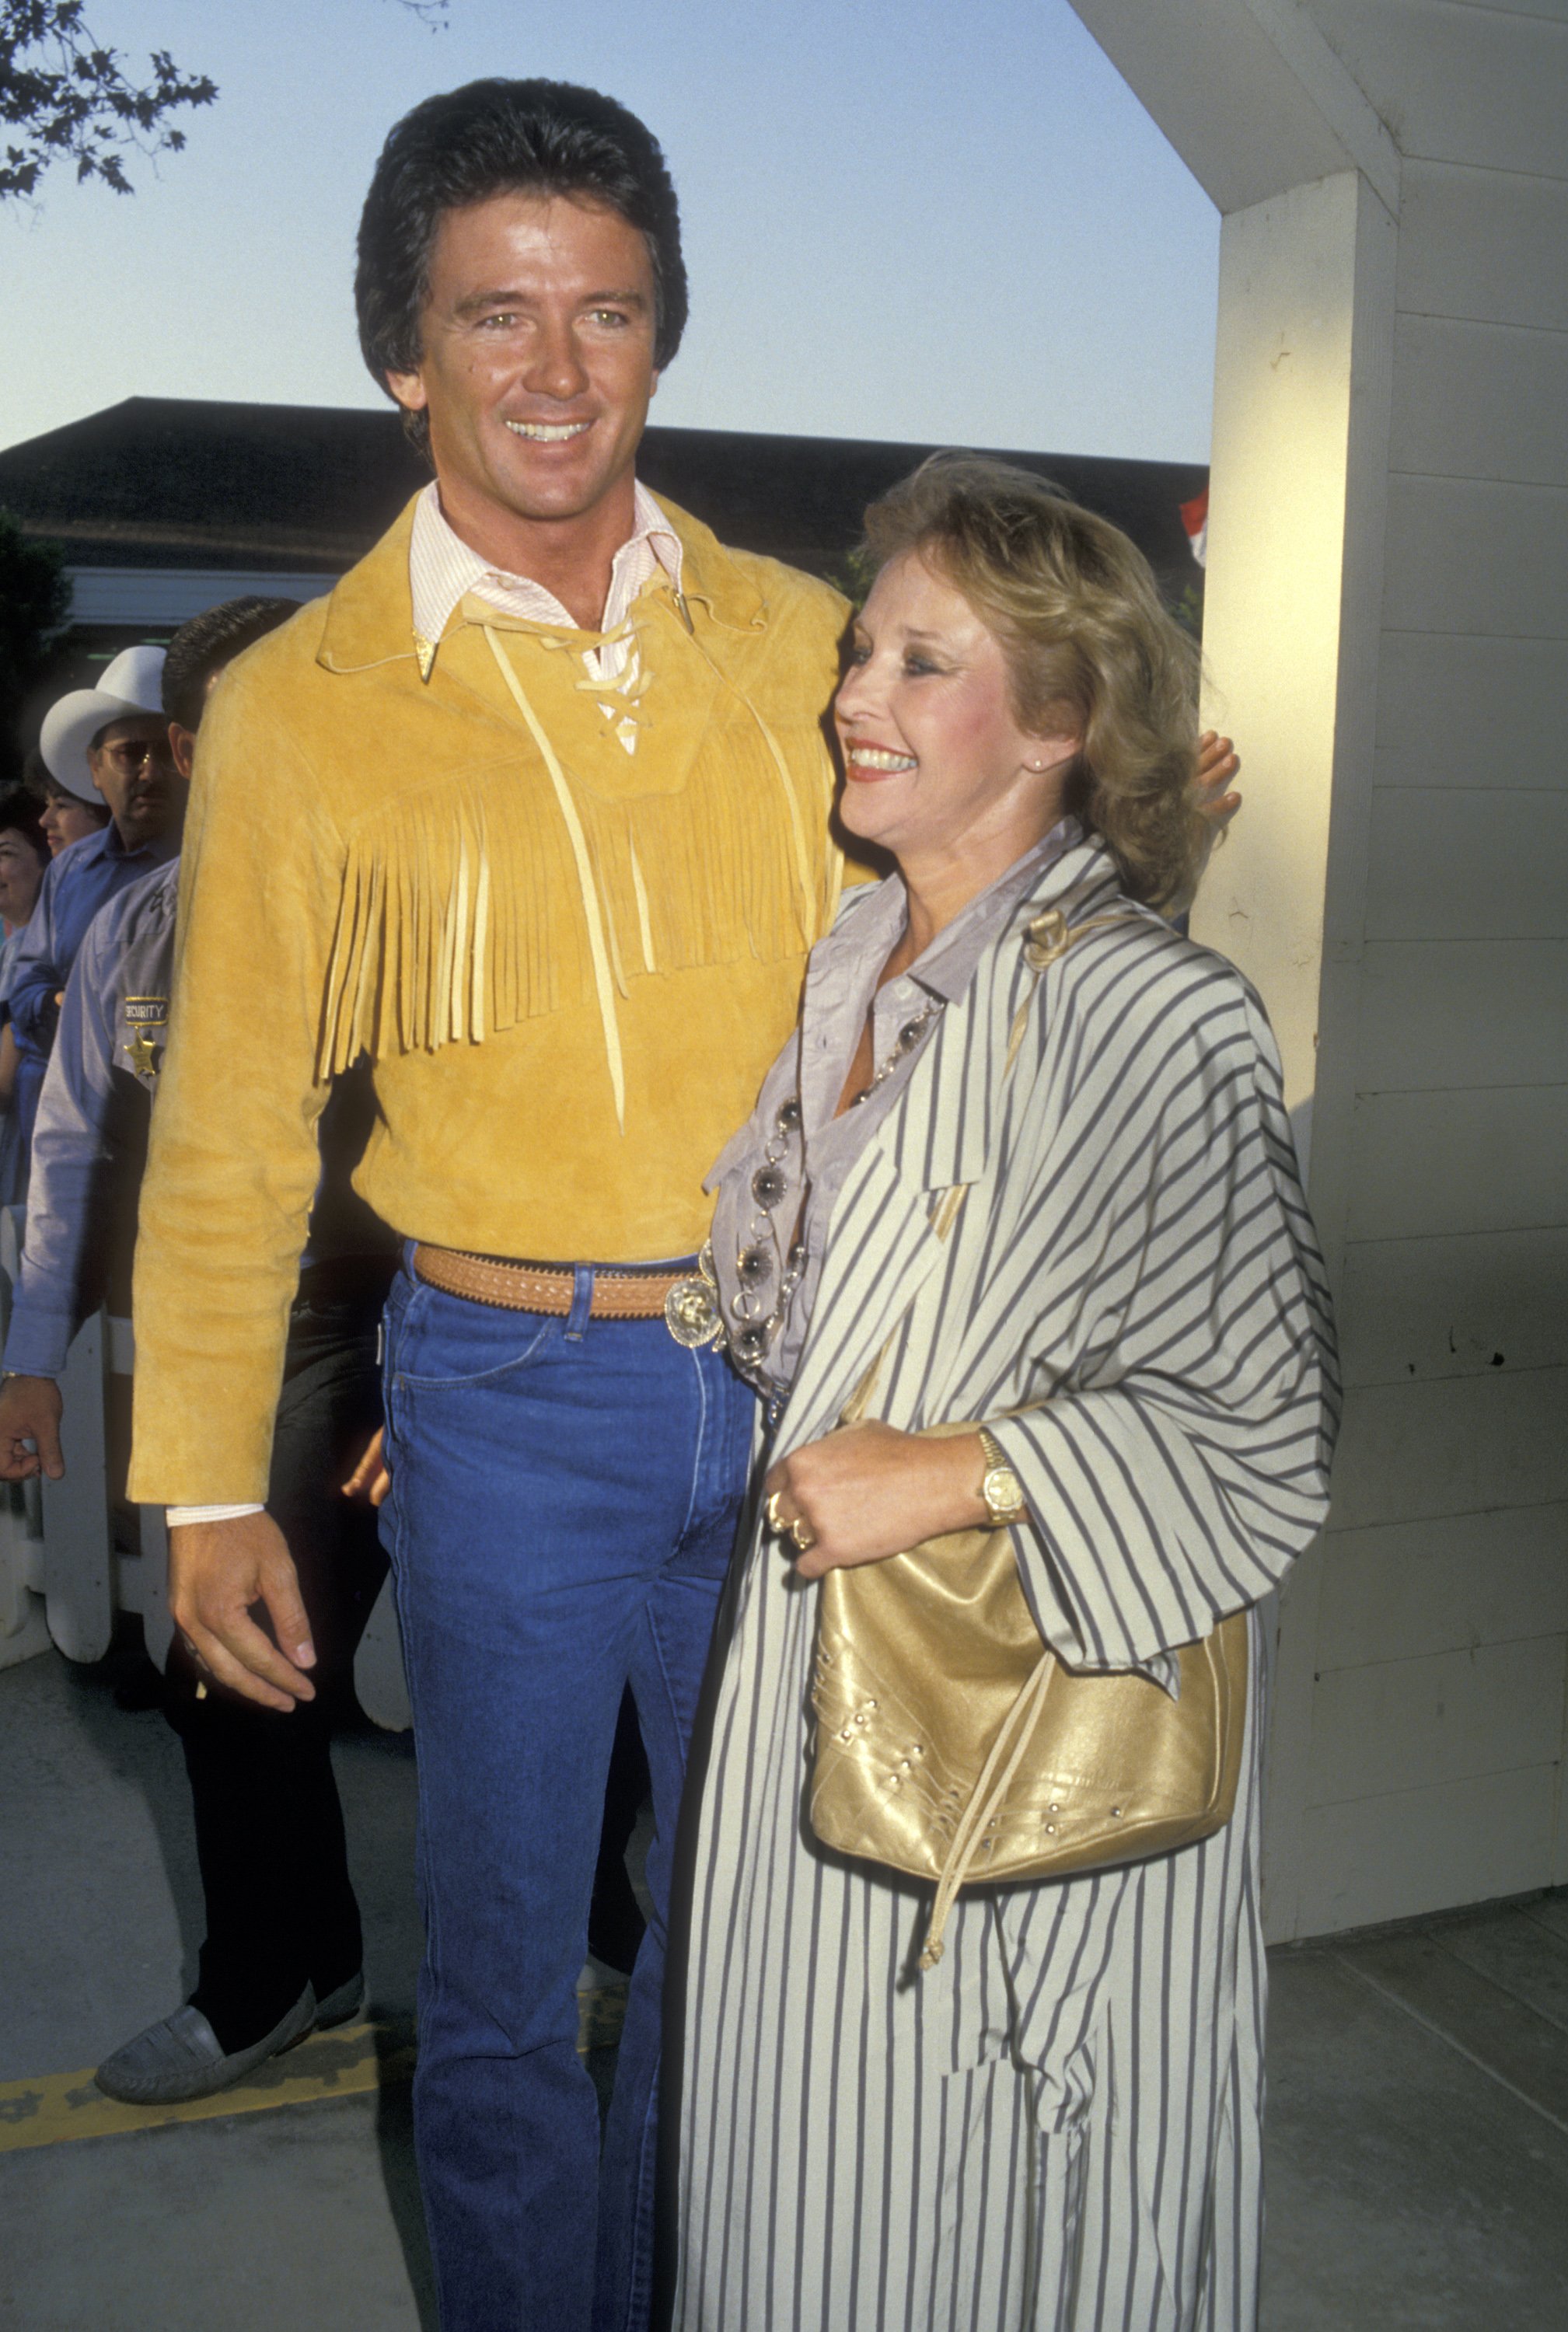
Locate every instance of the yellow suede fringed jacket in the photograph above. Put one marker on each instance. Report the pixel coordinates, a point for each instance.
(570, 965)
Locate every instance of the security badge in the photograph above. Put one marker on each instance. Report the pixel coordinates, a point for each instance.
(143, 1015)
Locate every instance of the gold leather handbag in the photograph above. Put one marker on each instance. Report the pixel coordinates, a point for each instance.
(952, 1745)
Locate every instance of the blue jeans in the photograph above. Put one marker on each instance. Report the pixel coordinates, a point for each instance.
(565, 1495)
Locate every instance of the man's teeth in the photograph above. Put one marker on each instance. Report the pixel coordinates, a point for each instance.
(872, 756)
(548, 433)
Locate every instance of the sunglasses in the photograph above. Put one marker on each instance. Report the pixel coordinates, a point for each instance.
(131, 754)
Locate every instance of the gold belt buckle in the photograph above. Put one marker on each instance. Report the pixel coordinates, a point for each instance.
(692, 1311)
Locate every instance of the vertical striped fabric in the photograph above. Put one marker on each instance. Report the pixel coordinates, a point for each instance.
(1058, 2127)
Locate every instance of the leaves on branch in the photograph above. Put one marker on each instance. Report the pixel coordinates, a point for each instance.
(63, 97)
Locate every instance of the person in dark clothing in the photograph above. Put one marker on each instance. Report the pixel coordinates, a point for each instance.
(284, 1945)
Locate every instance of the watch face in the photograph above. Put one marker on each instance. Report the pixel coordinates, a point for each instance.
(1003, 1493)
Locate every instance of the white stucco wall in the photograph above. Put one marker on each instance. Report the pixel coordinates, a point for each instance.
(1394, 316)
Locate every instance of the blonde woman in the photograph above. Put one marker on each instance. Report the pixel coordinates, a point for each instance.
(1059, 2124)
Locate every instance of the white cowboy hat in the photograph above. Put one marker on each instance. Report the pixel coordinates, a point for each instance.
(132, 686)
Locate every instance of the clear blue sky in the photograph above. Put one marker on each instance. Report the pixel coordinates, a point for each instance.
(912, 219)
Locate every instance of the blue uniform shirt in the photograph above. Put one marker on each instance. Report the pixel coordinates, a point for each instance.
(90, 1139)
(76, 885)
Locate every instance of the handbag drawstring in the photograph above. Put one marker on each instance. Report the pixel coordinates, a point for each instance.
(989, 1795)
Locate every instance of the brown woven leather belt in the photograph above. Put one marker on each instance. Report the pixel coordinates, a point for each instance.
(536, 1288)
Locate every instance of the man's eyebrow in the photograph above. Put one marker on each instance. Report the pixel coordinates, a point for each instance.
(478, 301)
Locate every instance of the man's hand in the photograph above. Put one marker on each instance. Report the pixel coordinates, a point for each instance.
(1218, 763)
(370, 1480)
(217, 1572)
(869, 1491)
(30, 1411)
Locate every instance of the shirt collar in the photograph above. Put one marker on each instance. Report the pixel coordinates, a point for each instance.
(156, 852)
(948, 964)
(443, 569)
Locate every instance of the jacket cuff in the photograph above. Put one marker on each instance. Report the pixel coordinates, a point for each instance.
(37, 1343)
(178, 1517)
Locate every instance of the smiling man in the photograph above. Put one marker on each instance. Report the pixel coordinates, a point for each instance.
(533, 811)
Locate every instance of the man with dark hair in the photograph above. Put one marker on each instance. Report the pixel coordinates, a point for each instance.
(534, 811)
(283, 1948)
(200, 650)
(499, 136)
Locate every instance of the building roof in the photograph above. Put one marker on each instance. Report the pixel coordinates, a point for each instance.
(297, 490)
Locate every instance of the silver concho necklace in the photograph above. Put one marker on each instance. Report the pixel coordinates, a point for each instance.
(765, 1279)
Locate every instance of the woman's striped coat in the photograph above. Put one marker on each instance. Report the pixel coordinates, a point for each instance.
(1058, 2127)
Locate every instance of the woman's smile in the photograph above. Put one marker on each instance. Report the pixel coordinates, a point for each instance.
(865, 764)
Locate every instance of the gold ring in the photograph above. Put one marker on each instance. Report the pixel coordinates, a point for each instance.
(776, 1522)
(802, 1534)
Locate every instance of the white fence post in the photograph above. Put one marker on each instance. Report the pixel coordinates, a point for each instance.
(78, 1543)
(379, 1685)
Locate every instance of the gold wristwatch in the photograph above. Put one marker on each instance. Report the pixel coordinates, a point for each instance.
(1000, 1488)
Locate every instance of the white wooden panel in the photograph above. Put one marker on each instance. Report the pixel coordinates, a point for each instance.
(1463, 1013)
(1458, 84)
(1483, 243)
(1471, 712)
(381, 1686)
(151, 1569)
(1477, 558)
(1452, 1307)
(1422, 1163)
(1403, 1590)
(1480, 400)
(1402, 1725)
(1393, 1857)
(1452, 1447)
(1447, 864)
(77, 1556)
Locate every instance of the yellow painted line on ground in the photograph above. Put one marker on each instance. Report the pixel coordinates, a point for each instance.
(351, 2062)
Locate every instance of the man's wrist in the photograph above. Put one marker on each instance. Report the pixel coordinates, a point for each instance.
(181, 1518)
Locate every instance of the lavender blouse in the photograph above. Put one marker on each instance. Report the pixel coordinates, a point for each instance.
(776, 1181)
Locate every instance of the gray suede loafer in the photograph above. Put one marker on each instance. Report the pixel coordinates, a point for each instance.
(180, 2058)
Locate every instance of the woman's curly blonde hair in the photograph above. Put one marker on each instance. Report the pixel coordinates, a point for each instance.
(1091, 649)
